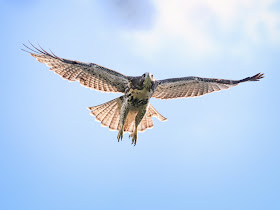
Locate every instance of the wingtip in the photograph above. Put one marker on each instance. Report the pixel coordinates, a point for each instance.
(89, 108)
(34, 51)
(257, 77)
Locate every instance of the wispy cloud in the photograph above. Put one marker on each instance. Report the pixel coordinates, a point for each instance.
(209, 26)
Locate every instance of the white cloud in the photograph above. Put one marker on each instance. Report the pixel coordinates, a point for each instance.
(209, 26)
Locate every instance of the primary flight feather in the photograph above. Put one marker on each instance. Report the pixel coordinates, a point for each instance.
(131, 112)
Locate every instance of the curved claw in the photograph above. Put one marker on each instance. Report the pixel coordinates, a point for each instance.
(134, 139)
(120, 135)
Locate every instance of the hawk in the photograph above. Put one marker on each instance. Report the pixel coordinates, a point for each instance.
(132, 111)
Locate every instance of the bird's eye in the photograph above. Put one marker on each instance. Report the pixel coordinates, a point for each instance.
(143, 75)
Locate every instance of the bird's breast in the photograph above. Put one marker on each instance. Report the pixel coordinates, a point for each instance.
(138, 98)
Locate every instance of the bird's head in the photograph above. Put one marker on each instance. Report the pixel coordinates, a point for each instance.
(148, 79)
(148, 76)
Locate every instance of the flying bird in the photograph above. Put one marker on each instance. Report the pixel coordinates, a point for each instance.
(132, 111)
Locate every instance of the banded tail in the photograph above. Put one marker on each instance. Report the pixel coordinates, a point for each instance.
(109, 116)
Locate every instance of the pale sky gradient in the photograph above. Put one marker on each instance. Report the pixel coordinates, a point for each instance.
(200, 25)
(219, 151)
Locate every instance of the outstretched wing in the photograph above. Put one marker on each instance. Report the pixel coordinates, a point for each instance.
(89, 75)
(195, 86)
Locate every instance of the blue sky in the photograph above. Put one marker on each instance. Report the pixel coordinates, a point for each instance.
(219, 151)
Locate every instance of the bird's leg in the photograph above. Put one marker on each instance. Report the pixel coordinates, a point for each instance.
(134, 138)
(120, 134)
(123, 114)
(138, 119)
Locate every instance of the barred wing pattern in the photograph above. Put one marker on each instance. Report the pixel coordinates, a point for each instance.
(109, 116)
(89, 75)
(195, 86)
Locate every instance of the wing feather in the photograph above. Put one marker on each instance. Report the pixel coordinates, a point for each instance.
(195, 86)
(89, 75)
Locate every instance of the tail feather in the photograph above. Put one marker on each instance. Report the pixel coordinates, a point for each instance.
(127, 126)
(115, 121)
(147, 122)
(129, 123)
(130, 127)
(150, 123)
(103, 111)
(143, 125)
(109, 116)
(155, 113)
(102, 115)
(95, 110)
